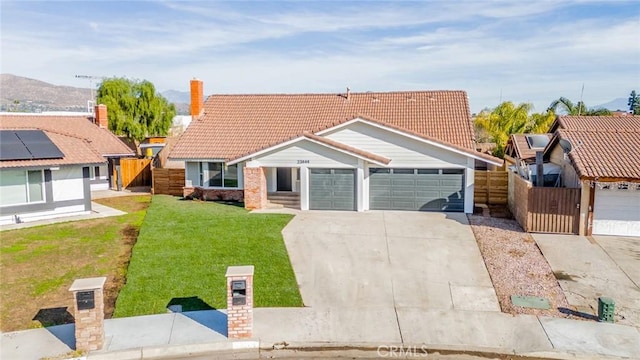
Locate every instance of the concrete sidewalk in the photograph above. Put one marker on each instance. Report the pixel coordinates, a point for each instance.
(204, 332)
(97, 211)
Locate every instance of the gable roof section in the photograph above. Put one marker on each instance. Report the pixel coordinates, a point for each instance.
(236, 125)
(592, 123)
(102, 140)
(608, 149)
(76, 152)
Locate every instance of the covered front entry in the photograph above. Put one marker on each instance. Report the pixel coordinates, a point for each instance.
(332, 189)
(416, 189)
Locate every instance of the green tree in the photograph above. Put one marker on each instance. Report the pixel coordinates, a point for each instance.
(507, 118)
(135, 109)
(568, 107)
(634, 103)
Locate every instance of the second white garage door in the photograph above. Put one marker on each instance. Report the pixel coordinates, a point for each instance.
(616, 212)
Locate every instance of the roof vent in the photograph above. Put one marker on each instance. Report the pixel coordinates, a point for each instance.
(348, 93)
(375, 99)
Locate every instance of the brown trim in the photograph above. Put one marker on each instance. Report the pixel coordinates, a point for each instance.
(592, 198)
(610, 179)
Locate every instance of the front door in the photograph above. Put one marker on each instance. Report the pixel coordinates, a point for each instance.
(284, 179)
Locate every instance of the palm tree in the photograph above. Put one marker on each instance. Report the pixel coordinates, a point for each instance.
(507, 118)
(567, 107)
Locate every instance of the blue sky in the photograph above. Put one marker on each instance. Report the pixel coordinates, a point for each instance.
(524, 51)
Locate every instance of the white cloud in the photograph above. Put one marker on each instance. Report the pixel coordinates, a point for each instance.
(483, 47)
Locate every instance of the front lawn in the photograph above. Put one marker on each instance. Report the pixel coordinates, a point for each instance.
(40, 263)
(184, 248)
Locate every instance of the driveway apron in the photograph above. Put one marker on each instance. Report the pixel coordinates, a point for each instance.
(388, 259)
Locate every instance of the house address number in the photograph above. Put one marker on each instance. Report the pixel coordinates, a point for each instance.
(303, 161)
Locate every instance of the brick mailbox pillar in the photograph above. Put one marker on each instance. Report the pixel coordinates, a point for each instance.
(88, 305)
(240, 302)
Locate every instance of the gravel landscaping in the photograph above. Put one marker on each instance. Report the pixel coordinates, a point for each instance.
(516, 266)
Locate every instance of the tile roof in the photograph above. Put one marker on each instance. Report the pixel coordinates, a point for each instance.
(76, 151)
(237, 125)
(105, 142)
(521, 146)
(606, 149)
(590, 123)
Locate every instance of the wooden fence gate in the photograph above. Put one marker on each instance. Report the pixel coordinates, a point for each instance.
(135, 172)
(168, 181)
(490, 187)
(543, 209)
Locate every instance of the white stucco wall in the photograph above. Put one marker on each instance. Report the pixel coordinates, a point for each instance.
(569, 176)
(306, 153)
(403, 151)
(67, 183)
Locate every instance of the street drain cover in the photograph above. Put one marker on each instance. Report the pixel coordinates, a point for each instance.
(530, 302)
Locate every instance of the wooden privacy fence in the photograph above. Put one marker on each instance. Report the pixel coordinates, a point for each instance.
(168, 181)
(544, 209)
(491, 187)
(135, 172)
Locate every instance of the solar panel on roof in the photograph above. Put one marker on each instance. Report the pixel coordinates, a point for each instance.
(27, 145)
(11, 148)
(537, 141)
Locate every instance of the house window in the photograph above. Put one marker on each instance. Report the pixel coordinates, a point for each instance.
(21, 187)
(216, 174)
(95, 171)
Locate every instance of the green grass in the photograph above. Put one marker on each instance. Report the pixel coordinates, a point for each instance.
(185, 247)
(38, 264)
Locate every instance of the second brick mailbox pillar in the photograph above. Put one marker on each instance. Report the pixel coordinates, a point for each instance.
(88, 304)
(240, 302)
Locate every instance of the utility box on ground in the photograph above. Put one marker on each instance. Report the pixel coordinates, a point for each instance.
(605, 309)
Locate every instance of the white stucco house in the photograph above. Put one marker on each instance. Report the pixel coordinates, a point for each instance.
(49, 164)
(411, 150)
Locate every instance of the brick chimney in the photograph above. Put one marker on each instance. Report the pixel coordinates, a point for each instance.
(197, 99)
(102, 120)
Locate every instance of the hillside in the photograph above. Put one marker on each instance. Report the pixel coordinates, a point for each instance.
(23, 94)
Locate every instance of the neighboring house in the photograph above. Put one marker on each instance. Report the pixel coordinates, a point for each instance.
(409, 150)
(601, 155)
(44, 174)
(524, 147)
(93, 129)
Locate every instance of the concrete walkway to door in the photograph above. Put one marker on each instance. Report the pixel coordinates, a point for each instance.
(388, 259)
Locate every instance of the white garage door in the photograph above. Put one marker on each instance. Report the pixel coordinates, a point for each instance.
(616, 212)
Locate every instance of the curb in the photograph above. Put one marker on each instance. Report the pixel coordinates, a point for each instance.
(173, 351)
(407, 351)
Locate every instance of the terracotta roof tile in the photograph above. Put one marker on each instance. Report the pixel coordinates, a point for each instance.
(521, 146)
(605, 149)
(105, 142)
(604, 123)
(76, 152)
(235, 125)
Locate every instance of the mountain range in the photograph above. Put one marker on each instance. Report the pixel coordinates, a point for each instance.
(23, 94)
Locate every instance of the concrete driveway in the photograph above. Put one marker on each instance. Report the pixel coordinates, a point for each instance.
(388, 259)
(606, 266)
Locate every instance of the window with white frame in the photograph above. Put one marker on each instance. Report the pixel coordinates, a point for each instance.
(97, 172)
(21, 187)
(213, 174)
